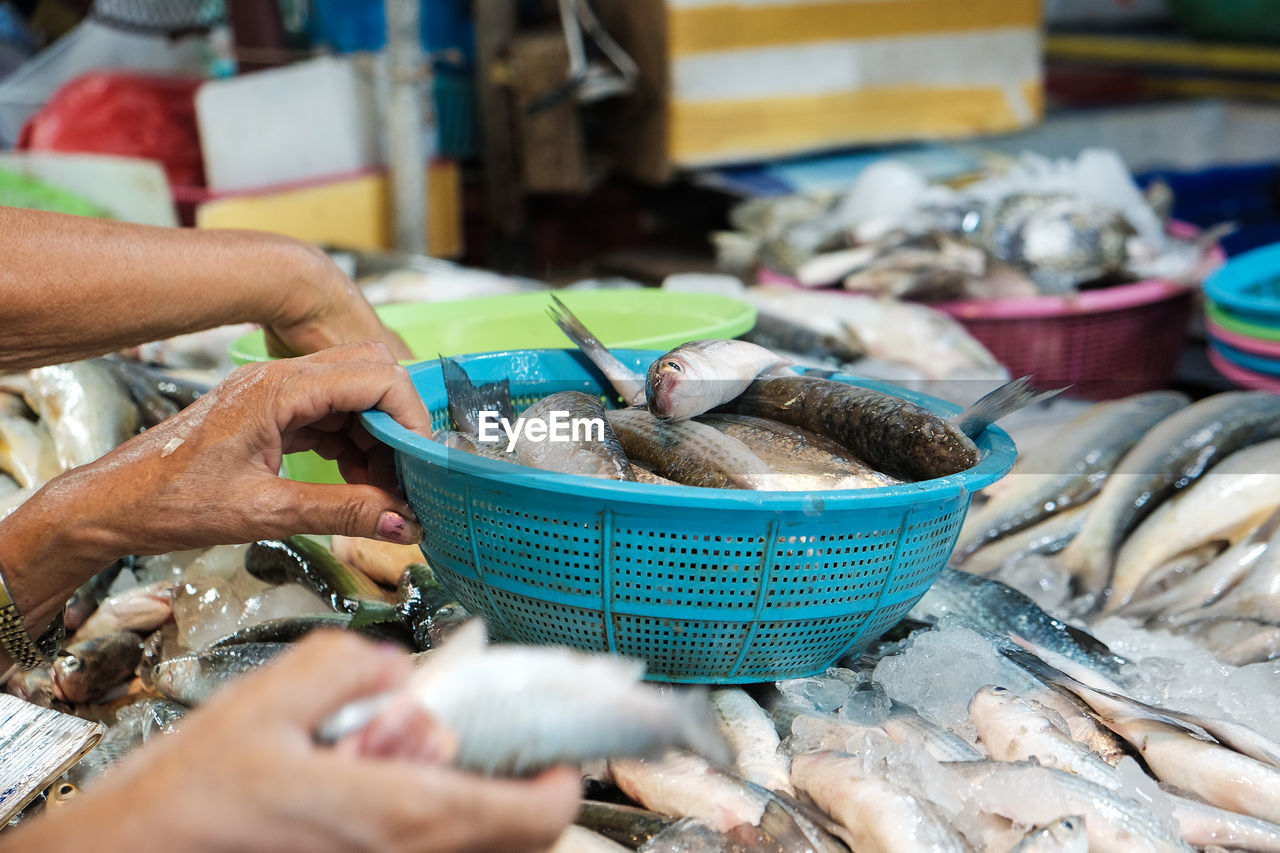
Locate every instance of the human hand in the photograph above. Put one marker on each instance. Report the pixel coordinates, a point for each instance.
(326, 310)
(244, 773)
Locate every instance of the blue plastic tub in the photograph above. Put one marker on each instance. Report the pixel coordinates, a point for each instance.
(705, 585)
(1248, 286)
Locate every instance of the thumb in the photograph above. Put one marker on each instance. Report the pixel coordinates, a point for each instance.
(348, 510)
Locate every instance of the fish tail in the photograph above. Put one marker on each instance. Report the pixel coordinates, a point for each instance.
(1005, 400)
(626, 381)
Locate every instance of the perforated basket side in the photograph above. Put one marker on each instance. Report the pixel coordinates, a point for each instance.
(701, 597)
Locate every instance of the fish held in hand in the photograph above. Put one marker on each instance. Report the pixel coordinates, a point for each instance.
(520, 709)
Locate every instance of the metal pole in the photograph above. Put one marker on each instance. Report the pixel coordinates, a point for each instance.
(404, 125)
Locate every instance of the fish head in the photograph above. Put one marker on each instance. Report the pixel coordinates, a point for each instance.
(1070, 834)
(172, 677)
(673, 391)
(70, 677)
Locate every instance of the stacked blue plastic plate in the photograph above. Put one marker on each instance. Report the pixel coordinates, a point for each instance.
(1242, 318)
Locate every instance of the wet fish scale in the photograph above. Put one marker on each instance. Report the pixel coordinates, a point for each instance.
(892, 434)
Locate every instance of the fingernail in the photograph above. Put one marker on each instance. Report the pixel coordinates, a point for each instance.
(394, 527)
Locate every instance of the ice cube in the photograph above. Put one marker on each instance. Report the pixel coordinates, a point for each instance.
(206, 611)
(281, 602)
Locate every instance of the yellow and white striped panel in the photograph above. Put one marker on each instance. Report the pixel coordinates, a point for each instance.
(760, 78)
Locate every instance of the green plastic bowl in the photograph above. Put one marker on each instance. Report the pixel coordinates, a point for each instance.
(623, 319)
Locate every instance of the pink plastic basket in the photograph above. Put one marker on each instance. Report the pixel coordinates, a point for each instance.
(1104, 343)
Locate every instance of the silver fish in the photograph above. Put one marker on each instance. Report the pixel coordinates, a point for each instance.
(1204, 825)
(27, 452)
(696, 377)
(1225, 776)
(1065, 835)
(789, 450)
(588, 454)
(1172, 455)
(87, 410)
(1255, 597)
(193, 678)
(689, 452)
(879, 816)
(88, 670)
(752, 738)
(1233, 497)
(1049, 536)
(1210, 582)
(1013, 730)
(1003, 611)
(1032, 795)
(1070, 467)
(518, 709)
(1239, 643)
(685, 785)
(141, 609)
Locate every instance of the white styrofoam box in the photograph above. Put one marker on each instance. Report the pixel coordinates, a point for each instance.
(309, 120)
(130, 188)
(1186, 136)
(90, 47)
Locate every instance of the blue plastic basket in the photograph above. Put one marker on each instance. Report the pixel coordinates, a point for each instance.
(705, 585)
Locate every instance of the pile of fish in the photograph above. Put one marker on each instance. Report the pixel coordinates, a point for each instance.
(723, 414)
(1037, 227)
(56, 418)
(1066, 702)
(1152, 508)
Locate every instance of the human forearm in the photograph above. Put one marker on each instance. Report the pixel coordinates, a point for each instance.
(52, 544)
(72, 287)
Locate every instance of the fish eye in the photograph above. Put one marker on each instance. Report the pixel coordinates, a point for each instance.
(1069, 823)
(674, 365)
(999, 689)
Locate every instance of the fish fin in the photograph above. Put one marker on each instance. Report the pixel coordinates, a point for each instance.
(700, 733)
(467, 400)
(629, 384)
(1005, 400)
(784, 816)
